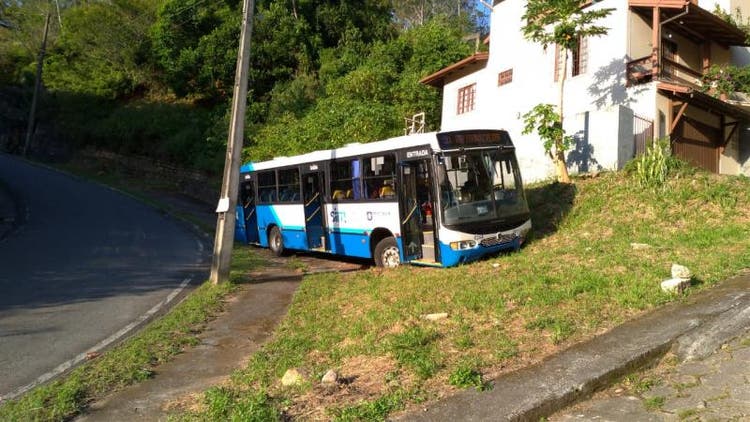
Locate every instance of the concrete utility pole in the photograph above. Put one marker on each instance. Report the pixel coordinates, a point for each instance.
(224, 239)
(37, 87)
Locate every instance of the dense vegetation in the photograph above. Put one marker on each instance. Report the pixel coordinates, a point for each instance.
(155, 77)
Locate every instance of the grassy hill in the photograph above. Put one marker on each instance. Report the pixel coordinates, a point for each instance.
(578, 276)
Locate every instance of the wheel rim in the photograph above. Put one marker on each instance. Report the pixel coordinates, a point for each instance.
(275, 241)
(391, 258)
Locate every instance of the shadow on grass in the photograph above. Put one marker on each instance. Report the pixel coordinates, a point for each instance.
(550, 204)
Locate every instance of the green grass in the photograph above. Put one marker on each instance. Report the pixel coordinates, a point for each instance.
(639, 384)
(415, 349)
(467, 374)
(577, 275)
(654, 403)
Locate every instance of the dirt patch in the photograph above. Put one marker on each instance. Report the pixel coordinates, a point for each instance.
(361, 378)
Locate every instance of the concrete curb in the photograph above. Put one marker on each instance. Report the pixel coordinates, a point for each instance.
(535, 392)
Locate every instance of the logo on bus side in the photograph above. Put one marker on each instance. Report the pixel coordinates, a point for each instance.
(338, 216)
(418, 153)
(372, 214)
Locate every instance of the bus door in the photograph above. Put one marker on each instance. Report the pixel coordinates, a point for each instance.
(418, 234)
(410, 212)
(313, 183)
(246, 227)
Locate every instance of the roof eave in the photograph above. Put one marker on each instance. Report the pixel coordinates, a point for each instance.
(437, 79)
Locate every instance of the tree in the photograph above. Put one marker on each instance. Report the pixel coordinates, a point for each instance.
(92, 58)
(564, 23)
(413, 13)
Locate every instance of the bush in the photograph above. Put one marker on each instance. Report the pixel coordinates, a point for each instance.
(653, 168)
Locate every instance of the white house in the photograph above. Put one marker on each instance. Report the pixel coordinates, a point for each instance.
(620, 90)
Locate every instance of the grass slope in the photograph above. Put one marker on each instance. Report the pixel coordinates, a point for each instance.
(577, 277)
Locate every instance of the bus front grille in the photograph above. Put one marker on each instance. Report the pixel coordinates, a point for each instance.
(501, 238)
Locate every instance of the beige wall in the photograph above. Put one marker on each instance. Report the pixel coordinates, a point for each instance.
(743, 5)
(688, 52)
(703, 116)
(729, 160)
(720, 54)
(662, 105)
(639, 41)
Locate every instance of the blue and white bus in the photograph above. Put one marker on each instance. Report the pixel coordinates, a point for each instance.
(438, 199)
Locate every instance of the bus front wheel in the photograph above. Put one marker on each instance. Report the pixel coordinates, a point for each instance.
(386, 254)
(275, 241)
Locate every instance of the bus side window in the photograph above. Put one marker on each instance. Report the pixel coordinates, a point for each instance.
(267, 186)
(289, 185)
(346, 180)
(379, 175)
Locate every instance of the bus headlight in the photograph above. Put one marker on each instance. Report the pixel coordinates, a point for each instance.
(463, 244)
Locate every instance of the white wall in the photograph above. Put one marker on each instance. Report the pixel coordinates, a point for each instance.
(599, 93)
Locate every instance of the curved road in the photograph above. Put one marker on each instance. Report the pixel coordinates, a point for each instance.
(85, 267)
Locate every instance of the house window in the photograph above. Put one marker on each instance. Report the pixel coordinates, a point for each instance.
(505, 77)
(578, 61)
(466, 96)
(669, 49)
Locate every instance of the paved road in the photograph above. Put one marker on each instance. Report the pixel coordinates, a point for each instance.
(85, 267)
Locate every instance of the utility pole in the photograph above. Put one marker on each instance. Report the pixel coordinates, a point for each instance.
(37, 87)
(223, 242)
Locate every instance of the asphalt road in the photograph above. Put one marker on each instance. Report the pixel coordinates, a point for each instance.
(85, 266)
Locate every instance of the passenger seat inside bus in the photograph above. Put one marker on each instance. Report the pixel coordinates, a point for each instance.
(387, 192)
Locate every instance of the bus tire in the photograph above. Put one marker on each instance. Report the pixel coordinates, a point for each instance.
(386, 253)
(275, 241)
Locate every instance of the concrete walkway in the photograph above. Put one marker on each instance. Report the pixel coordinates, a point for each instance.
(693, 329)
(229, 340)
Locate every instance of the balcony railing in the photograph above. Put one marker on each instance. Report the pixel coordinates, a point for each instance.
(640, 71)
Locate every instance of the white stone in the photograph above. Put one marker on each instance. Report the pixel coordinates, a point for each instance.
(436, 317)
(640, 246)
(675, 285)
(291, 377)
(330, 377)
(681, 271)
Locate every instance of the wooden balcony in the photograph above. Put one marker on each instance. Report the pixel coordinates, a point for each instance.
(640, 71)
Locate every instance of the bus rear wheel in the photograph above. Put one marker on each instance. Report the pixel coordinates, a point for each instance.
(386, 254)
(275, 241)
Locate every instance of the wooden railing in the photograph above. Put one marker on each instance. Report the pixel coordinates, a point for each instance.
(640, 71)
(679, 72)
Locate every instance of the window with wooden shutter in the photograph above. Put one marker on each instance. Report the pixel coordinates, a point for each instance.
(466, 98)
(580, 58)
(578, 61)
(505, 77)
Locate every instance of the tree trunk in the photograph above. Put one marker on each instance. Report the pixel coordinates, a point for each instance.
(562, 168)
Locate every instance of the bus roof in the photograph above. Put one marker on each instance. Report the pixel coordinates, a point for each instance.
(349, 150)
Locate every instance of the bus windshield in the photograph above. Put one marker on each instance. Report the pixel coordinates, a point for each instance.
(480, 185)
